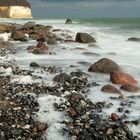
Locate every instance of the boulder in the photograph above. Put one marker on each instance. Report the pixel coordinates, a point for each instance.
(68, 21)
(104, 65)
(18, 35)
(7, 28)
(62, 78)
(118, 77)
(29, 25)
(110, 89)
(134, 39)
(115, 117)
(41, 48)
(129, 88)
(84, 38)
(34, 64)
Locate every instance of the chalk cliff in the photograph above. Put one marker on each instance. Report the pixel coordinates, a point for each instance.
(15, 9)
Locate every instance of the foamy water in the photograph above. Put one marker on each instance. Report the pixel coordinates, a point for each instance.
(112, 44)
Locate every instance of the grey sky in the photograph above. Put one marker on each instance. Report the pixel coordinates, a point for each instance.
(85, 8)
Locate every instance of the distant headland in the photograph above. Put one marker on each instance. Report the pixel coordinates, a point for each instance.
(15, 9)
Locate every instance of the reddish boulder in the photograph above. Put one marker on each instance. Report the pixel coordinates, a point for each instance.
(110, 89)
(114, 117)
(84, 38)
(129, 88)
(104, 65)
(41, 48)
(72, 113)
(122, 78)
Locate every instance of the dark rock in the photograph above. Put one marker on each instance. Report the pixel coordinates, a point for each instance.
(127, 111)
(134, 39)
(104, 65)
(68, 21)
(62, 78)
(18, 35)
(129, 88)
(84, 38)
(29, 25)
(120, 109)
(56, 30)
(122, 78)
(110, 89)
(34, 64)
(91, 54)
(69, 40)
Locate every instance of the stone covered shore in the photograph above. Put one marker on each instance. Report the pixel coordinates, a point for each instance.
(84, 119)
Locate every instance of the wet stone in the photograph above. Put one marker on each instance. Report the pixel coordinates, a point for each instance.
(34, 64)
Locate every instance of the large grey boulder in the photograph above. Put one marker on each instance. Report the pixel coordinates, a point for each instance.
(104, 65)
(84, 38)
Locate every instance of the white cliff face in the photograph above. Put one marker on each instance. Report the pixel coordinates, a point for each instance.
(15, 12)
(20, 12)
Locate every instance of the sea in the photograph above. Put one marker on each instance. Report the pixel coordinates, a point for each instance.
(112, 42)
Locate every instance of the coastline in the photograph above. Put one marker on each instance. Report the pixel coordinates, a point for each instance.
(57, 108)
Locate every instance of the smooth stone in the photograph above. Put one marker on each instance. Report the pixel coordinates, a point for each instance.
(129, 88)
(122, 78)
(104, 65)
(84, 38)
(110, 89)
(62, 78)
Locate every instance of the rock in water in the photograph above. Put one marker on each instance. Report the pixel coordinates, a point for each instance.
(104, 65)
(84, 38)
(134, 39)
(41, 48)
(110, 89)
(122, 78)
(68, 21)
(62, 78)
(34, 64)
(115, 117)
(18, 35)
(129, 88)
(15, 9)
(7, 28)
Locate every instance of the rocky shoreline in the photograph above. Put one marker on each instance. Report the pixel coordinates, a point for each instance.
(84, 119)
